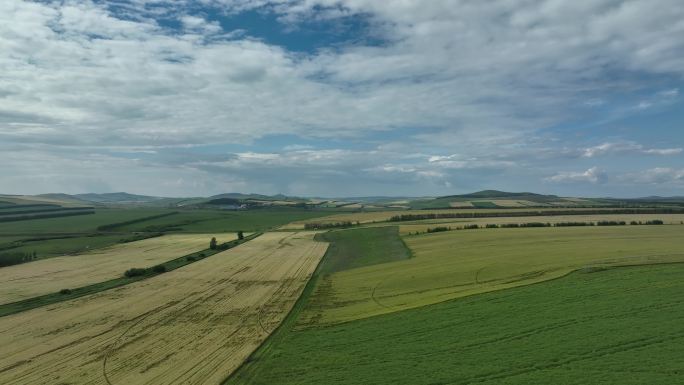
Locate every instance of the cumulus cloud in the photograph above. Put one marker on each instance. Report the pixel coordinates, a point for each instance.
(592, 175)
(477, 79)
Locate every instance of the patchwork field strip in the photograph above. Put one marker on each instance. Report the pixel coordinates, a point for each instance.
(50, 275)
(455, 264)
(194, 325)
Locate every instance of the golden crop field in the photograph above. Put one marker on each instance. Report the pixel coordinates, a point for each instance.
(454, 264)
(50, 275)
(422, 226)
(193, 325)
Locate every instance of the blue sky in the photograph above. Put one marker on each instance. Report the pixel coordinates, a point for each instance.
(342, 97)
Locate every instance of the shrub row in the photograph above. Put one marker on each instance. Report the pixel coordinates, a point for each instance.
(139, 271)
(438, 229)
(541, 224)
(322, 226)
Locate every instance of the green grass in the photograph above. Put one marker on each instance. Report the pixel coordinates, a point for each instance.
(75, 224)
(32, 303)
(253, 220)
(362, 247)
(619, 326)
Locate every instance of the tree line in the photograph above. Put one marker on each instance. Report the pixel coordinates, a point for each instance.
(538, 224)
(417, 217)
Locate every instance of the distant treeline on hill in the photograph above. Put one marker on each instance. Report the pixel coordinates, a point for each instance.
(417, 217)
(41, 209)
(112, 226)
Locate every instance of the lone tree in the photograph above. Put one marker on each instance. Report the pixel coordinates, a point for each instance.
(241, 235)
(212, 244)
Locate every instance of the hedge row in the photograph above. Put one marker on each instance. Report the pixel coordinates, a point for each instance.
(321, 226)
(542, 224)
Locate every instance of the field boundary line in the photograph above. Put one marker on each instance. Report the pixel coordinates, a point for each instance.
(288, 320)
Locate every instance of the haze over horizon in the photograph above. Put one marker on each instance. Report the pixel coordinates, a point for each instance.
(342, 97)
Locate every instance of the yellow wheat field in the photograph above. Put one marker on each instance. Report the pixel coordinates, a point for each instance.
(194, 325)
(46, 276)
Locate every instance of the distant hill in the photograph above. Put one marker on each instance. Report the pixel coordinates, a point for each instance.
(59, 197)
(495, 199)
(255, 196)
(479, 199)
(501, 195)
(117, 197)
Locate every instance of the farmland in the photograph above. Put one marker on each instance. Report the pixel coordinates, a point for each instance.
(51, 237)
(51, 275)
(618, 326)
(184, 221)
(460, 263)
(438, 307)
(370, 217)
(193, 325)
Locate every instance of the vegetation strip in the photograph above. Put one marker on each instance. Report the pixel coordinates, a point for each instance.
(439, 229)
(68, 293)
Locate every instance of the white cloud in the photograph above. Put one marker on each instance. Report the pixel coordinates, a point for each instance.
(627, 148)
(655, 176)
(592, 175)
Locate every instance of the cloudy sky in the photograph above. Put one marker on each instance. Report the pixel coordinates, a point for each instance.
(342, 97)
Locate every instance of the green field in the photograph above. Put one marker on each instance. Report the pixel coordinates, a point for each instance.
(68, 245)
(460, 263)
(618, 326)
(362, 247)
(77, 224)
